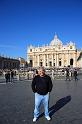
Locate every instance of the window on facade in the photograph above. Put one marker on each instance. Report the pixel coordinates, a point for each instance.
(41, 63)
(45, 49)
(70, 47)
(59, 63)
(31, 62)
(7, 65)
(13, 64)
(71, 61)
(50, 63)
(64, 61)
(59, 47)
(10, 64)
(54, 64)
(40, 49)
(46, 64)
(30, 50)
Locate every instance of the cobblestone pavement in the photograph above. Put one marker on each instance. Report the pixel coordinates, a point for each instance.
(17, 103)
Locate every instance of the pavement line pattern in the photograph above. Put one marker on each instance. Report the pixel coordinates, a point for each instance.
(2, 83)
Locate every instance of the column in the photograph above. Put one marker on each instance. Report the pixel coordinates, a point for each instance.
(57, 60)
(62, 60)
(47, 61)
(68, 58)
(74, 60)
(33, 61)
(52, 60)
(44, 60)
(38, 61)
(28, 59)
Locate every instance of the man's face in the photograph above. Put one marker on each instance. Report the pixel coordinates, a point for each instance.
(41, 72)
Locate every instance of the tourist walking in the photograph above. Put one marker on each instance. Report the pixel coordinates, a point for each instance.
(12, 76)
(7, 76)
(35, 73)
(71, 73)
(67, 74)
(75, 74)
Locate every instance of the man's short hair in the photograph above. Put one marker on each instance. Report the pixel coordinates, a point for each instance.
(41, 68)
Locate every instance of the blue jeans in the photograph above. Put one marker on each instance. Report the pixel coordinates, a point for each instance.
(38, 100)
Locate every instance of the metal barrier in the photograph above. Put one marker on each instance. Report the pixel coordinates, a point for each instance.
(28, 75)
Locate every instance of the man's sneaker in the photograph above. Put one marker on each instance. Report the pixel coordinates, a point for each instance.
(34, 119)
(48, 118)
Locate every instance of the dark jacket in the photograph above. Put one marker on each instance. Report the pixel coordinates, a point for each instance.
(42, 85)
(75, 73)
(12, 74)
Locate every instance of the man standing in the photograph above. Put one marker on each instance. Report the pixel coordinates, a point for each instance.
(12, 76)
(6, 77)
(41, 86)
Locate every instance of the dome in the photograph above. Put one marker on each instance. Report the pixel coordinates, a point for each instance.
(56, 41)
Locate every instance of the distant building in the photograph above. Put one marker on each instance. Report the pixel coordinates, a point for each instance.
(54, 55)
(23, 62)
(9, 63)
(79, 59)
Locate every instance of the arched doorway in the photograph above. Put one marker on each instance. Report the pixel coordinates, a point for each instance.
(31, 63)
(41, 63)
(71, 62)
(59, 63)
(50, 64)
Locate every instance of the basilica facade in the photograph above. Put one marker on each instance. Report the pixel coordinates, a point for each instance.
(56, 54)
